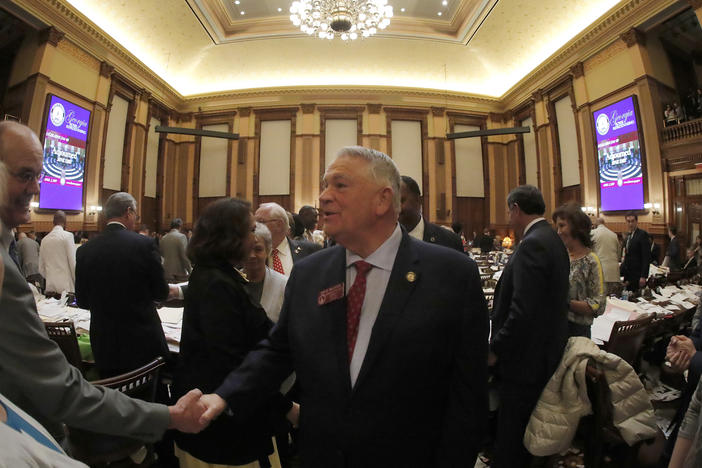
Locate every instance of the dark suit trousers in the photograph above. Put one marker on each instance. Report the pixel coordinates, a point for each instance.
(517, 401)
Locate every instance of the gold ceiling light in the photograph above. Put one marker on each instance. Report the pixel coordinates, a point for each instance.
(346, 19)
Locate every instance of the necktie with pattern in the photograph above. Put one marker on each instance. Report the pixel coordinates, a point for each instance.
(354, 302)
(277, 264)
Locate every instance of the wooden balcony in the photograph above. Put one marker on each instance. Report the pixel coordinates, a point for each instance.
(682, 131)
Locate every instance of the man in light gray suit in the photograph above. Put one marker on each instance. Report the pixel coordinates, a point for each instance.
(176, 265)
(34, 373)
(606, 246)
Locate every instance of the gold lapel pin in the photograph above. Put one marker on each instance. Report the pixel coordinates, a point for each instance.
(411, 276)
(298, 249)
(433, 239)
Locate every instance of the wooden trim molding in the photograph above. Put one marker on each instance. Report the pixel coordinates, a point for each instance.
(633, 37)
(51, 35)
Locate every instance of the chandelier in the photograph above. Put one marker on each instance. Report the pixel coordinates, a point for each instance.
(347, 19)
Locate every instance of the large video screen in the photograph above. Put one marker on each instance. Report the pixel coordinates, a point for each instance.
(65, 141)
(619, 157)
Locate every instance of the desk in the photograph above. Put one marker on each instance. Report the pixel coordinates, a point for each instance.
(55, 310)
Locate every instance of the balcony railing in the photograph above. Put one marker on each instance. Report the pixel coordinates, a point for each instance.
(681, 131)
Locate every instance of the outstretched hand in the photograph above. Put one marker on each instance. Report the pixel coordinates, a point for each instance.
(186, 413)
(214, 405)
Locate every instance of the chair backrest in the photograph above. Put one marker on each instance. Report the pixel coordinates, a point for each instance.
(98, 449)
(627, 338)
(64, 334)
(140, 383)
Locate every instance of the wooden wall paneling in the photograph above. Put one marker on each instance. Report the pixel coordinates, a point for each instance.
(203, 202)
(471, 213)
(283, 200)
(138, 162)
(170, 185)
(543, 144)
(280, 113)
(241, 179)
(455, 118)
(181, 208)
(149, 213)
(336, 112)
(416, 115)
(205, 119)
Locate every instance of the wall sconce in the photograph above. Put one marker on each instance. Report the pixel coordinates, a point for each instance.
(34, 204)
(589, 210)
(93, 210)
(656, 209)
(679, 209)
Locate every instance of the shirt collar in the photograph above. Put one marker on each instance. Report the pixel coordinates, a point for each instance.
(384, 256)
(418, 231)
(117, 222)
(528, 226)
(284, 247)
(57, 226)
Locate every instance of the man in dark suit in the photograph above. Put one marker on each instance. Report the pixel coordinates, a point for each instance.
(386, 335)
(286, 252)
(529, 321)
(637, 256)
(673, 251)
(412, 220)
(118, 278)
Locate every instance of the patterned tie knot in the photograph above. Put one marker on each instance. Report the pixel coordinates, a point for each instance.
(362, 267)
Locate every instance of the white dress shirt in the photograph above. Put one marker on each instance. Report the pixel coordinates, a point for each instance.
(376, 283)
(285, 257)
(418, 231)
(57, 260)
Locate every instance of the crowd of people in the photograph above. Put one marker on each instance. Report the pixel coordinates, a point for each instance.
(370, 340)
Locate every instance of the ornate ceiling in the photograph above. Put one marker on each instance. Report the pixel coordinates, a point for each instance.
(476, 47)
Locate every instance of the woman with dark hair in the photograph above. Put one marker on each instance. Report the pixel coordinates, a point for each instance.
(220, 326)
(586, 297)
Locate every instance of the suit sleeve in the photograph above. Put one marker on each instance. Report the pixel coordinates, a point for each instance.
(183, 257)
(466, 412)
(154, 269)
(645, 255)
(529, 277)
(82, 282)
(264, 368)
(71, 256)
(36, 366)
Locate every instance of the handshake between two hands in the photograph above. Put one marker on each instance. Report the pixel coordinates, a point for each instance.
(194, 411)
(679, 353)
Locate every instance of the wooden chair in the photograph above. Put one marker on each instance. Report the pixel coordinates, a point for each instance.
(627, 338)
(598, 430)
(64, 335)
(100, 450)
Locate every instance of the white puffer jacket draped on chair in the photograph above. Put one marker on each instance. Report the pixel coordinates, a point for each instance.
(564, 401)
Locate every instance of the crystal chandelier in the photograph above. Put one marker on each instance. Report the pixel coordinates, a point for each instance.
(347, 19)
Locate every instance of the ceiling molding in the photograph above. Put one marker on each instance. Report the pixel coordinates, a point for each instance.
(593, 40)
(82, 32)
(219, 24)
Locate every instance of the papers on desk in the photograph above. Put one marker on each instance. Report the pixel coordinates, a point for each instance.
(171, 315)
(615, 311)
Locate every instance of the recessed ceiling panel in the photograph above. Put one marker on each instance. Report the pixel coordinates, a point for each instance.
(466, 51)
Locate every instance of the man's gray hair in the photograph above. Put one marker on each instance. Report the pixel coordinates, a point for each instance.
(118, 204)
(263, 233)
(382, 169)
(277, 212)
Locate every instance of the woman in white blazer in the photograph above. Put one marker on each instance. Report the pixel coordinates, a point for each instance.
(266, 286)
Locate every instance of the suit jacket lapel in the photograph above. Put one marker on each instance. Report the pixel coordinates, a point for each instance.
(332, 274)
(396, 295)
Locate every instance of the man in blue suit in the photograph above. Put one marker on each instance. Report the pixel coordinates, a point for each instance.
(387, 335)
(529, 321)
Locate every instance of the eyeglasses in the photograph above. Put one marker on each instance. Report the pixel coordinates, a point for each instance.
(28, 176)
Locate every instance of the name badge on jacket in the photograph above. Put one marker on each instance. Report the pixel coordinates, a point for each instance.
(332, 294)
